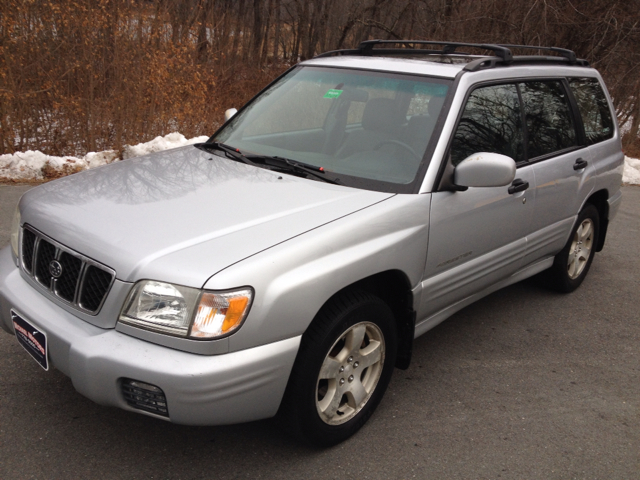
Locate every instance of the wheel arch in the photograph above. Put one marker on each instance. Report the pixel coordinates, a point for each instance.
(393, 287)
(599, 200)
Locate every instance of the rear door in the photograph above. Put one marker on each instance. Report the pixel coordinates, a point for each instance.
(561, 161)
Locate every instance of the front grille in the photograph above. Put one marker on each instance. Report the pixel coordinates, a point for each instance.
(28, 244)
(80, 281)
(144, 396)
(45, 253)
(68, 281)
(96, 283)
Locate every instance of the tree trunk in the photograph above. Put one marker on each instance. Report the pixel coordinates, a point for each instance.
(265, 41)
(237, 32)
(276, 35)
(256, 34)
(303, 29)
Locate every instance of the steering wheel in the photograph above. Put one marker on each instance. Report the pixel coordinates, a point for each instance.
(400, 144)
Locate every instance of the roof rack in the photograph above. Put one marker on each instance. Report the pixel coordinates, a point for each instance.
(568, 54)
(502, 54)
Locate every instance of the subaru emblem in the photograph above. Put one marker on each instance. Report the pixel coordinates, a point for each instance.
(55, 269)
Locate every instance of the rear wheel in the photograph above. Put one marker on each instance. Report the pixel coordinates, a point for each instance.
(572, 264)
(344, 365)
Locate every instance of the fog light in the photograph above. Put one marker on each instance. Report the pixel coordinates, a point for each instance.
(144, 396)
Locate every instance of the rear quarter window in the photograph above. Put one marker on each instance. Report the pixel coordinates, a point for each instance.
(594, 109)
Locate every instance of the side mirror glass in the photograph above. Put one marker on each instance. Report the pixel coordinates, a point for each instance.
(485, 170)
(229, 113)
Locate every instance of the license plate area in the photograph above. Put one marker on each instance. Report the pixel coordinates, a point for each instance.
(32, 339)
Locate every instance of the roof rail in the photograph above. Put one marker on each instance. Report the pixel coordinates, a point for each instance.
(366, 48)
(568, 54)
(502, 54)
(484, 63)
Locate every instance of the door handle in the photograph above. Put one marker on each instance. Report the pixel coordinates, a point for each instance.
(580, 164)
(518, 185)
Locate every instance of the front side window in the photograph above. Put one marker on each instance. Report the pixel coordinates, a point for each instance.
(594, 109)
(550, 125)
(491, 122)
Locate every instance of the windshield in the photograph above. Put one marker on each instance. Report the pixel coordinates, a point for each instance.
(354, 124)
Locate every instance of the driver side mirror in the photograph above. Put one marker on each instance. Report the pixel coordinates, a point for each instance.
(485, 170)
(230, 113)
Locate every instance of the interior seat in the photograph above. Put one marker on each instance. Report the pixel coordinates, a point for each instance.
(420, 127)
(381, 121)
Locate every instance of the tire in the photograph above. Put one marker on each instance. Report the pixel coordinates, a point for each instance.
(572, 264)
(342, 369)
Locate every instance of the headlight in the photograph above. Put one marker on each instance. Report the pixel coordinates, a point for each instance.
(15, 232)
(185, 311)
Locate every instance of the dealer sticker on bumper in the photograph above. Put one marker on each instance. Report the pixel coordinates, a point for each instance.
(33, 340)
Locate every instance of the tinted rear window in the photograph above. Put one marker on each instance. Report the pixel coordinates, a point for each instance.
(594, 109)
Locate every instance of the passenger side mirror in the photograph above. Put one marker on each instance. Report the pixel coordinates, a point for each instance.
(485, 170)
(230, 113)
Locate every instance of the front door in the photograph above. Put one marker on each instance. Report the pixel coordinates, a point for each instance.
(478, 237)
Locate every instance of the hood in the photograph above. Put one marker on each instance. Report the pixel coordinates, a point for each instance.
(183, 215)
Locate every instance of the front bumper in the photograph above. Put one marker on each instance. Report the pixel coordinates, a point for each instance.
(200, 389)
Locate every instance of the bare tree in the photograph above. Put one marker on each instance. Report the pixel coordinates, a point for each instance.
(147, 66)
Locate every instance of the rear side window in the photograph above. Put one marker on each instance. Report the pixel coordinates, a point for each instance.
(594, 109)
(491, 122)
(550, 125)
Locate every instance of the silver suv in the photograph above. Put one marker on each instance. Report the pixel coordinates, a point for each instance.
(286, 265)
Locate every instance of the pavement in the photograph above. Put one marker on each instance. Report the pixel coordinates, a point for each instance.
(524, 384)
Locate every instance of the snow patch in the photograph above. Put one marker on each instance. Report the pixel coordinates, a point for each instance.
(28, 166)
(172, 140)
(631, 173)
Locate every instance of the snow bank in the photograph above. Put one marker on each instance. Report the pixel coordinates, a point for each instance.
(631, 174)
(26, 166)
(172, 140)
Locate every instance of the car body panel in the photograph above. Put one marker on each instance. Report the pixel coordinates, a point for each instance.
(465, 252)
(161, 216)
(560, 194)
(428, 322)
(608, 161)
(297, 277)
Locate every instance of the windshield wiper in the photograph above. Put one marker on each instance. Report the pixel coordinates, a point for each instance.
(230, 152)
(278, 163)
(293, 166)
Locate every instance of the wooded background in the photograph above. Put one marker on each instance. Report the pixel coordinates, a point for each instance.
(87, 75)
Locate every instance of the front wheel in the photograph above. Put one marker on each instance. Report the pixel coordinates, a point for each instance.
(344, 365)
(572, 264)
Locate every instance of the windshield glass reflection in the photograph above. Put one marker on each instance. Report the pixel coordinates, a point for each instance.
(363, 124)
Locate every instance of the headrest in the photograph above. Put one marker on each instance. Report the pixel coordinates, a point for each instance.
(435, 105)
(382, 115)
(355, 95)
(419, 123)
